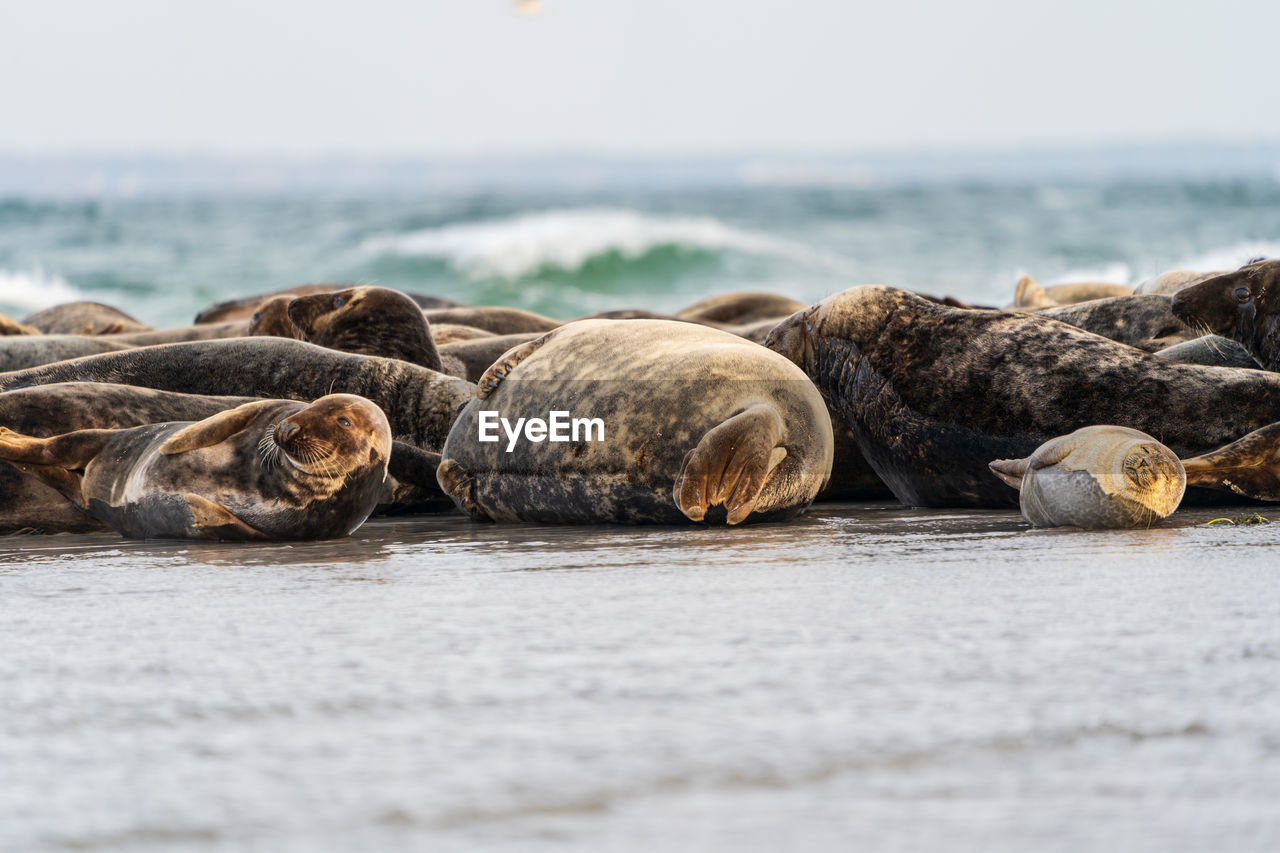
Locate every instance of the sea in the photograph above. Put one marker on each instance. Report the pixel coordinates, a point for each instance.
(868, 676)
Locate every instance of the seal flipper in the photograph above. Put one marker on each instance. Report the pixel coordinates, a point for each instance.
(215, 429)
(217, 522)
(1010, 470)
(70, 450)
(507, 362)
(1249, 466)
(1028, 294)
(65, 482)
(458, 484)
(731, 464)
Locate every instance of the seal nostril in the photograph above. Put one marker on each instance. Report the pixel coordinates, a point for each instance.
(286, 431)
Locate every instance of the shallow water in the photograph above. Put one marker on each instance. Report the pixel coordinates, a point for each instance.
(867, 675)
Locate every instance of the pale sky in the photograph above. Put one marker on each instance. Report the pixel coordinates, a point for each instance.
(630, 76)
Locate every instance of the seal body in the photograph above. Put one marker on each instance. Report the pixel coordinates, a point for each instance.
(1170, 282)
(696, 425)
(1143, 321)
(244, 307)
(933, 393)
(1212, 350)
(1096, 477)
(1243, 305)
(269, 469)
(19, 353)
(83, 318)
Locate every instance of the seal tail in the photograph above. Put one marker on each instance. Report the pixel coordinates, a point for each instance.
(1249, 466)
(1010, 471)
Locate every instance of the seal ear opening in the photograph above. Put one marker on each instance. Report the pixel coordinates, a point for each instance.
(215, 429)
(1010, 471)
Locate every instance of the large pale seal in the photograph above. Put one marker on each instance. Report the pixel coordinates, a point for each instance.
(420, 403)
(269, 469)
(933, 394)
(1096, 477)
(696, 424)
(1028, 295)
(1243, 305)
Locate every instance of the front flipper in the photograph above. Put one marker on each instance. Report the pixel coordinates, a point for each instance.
(1249, 466)
(215, 428)
(65, 482)
(731, 464)
(1010, 471)
(458, 484)
(506, 363)
(215, 521)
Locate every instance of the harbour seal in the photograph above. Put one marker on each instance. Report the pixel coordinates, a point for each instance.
(243, 307)
(419, 403)
(933, 393)
(269, 469)
(47, 410)
(1028, 295)
(19, 353)
(83, 318)
(1096, 477)
(696, 425)
(1146, 322)
(1243, 305)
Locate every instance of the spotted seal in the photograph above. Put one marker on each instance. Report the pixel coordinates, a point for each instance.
(1096, 477)
(269, 469)
(696, 424)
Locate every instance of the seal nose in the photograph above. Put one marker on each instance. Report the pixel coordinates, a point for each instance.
(286, 431)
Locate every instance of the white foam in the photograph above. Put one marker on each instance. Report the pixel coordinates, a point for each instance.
(1231, 257)
(567, 239)
(1116, 272)
(34, 290)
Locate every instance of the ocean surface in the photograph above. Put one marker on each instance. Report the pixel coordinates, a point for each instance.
(162, 259)
(865, 677)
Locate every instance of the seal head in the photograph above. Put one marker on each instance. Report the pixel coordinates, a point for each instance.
(1243, 305)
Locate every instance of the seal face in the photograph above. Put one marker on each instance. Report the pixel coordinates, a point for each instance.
(697, 424)
(933, 394)
(1096, 477)
(364, 320)
(269, 469)
(1243, 305)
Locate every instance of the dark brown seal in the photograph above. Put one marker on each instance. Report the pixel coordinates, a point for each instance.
(693, 424)
(365, 320)
(243, 307)
(84, 318)
(420, 403)
(269, 469)
(933, 394)
(1243, 305)
(1146, 322)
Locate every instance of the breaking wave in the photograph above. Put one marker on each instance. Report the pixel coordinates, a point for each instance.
(35, 289)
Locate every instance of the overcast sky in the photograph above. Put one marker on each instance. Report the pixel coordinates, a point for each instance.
(635, 76)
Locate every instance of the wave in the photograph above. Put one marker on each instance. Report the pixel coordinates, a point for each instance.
(1231, 257)
(1212, 260)
(569, 240)
(34, 290)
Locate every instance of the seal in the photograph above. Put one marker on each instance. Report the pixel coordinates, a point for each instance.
(1096, 477)
(740, 308)
(1249, 467)
(83, 318)
(269, 469)
(1210, 350)
(364, 320)
(1146, 322)
(475, 355)
(933, 394)
(696, 424)
(10, 326)
(1030, 296)
(420, 403)
(1171, 281)
(1243, 305)
(494, 319)
(48, 410)
(243, 307)
(19, 353)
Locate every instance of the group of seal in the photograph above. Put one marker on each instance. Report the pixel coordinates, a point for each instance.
(1076, 404)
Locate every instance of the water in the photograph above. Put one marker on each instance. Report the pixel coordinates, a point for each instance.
(865, 676)
(568, 254)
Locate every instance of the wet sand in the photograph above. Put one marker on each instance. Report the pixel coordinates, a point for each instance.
(867, 676)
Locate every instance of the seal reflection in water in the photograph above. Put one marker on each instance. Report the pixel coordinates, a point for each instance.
(269, 469)
(699, 425)
(1098, 476)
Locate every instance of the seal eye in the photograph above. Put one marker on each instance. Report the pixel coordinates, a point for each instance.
(338, 302)
(1241, 294)
(343, 421)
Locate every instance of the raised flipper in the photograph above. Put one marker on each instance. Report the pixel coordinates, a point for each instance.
(507, 362)
(458, 484)
(1249, 466)
(215, 521)
(731, 464)
(1029, 295)
(216, 428)
(1011, 471)
(69, 484)
(70, 450)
